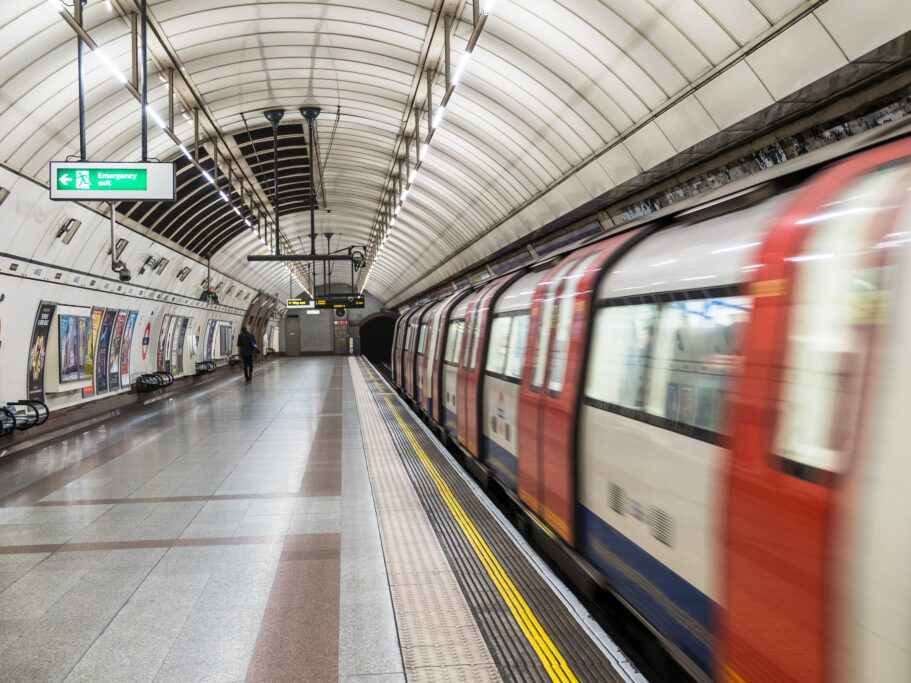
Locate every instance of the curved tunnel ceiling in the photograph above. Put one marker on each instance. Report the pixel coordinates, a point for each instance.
(593, 90)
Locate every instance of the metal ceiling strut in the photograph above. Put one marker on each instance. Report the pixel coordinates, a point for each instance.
(274, 116)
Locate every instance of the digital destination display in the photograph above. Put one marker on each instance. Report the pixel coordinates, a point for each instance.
(335, 301)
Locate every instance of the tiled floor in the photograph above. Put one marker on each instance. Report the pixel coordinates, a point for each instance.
(245, 532)
(226, 535)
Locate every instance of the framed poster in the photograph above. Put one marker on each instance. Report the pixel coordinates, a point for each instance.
(210, 339)
(120, 323)
(162, 342)
(225, 339)
(38, 350)
(73, 337)
(177, 358)
(101, 352)
(94, 327)
(125, 349)
(68, 329)
(146, 338)
(84, 329)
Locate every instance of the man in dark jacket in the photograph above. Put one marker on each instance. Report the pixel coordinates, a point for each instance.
(246, 346)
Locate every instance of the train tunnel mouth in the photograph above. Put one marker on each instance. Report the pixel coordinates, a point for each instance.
(376, 338)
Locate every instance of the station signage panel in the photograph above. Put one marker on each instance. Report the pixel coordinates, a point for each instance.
(335, 301)
(113, 181)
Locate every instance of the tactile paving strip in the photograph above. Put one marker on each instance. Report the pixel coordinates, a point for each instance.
(439, 638)
(518, 655)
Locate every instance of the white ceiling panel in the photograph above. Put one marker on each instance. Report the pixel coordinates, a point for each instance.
(733, 95)
(686, 123)
(802, 54)
(857, 33)
(649, 146)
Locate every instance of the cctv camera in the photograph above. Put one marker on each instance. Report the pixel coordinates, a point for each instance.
(125, 275)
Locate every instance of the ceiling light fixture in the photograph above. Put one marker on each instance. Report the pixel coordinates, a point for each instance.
(381, 234)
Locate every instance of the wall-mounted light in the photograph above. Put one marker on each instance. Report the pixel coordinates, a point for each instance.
(162, 264)
(68, 230)
(183, 273)
(4, 193)
(150, 262)
(120, 245)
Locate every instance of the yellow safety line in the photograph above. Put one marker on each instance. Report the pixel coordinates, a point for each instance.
(544, 647)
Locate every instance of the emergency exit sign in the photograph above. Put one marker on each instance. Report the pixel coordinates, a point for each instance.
(112, 181)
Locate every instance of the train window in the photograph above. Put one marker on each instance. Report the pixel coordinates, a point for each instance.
(515, 352)
(499, 339)
(546, 324)
(452, 342)
(619, 354)
(408, 335)
(622, 336)
(475, 338)
(422, 339)
(841, 294)
(434, 335)
(565, 312)
(465, 339)
(697, 346)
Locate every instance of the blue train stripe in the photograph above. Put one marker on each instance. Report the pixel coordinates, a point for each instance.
(677, 609)
(502, 462)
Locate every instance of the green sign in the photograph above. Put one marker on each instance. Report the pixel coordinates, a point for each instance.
(109, 181)
(101, 179)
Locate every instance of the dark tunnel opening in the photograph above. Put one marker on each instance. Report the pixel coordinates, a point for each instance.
(376, 338)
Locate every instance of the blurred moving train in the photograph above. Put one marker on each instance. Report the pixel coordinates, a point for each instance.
(708, 409)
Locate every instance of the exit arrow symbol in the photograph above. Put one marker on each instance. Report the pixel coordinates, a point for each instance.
(65, 179)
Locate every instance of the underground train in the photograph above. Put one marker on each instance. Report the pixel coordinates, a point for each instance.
(707, 410)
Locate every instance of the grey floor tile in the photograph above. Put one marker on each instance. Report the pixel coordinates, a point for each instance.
(34, 593)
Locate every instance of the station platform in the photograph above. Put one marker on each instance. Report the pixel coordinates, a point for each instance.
(301, 527)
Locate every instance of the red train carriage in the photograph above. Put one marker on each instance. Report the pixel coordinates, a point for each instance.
(710, 413)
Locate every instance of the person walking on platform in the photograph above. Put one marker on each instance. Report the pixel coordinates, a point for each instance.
(246, 345)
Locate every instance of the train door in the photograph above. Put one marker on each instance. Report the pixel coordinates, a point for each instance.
(452, 352)
(398, 344)
(399, 348)
(429, 390)
(406, 358)
(533, 381)
(425, 342)
(822, 296)
(469, 332)
(557, 406)
(476, 356)
(415, 326)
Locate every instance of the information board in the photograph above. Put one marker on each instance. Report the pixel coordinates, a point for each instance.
(334, 301)
(112, 181)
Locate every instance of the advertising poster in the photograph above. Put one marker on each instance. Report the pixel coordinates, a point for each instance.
(84, 328)
(68, 329)
(101, 352)
(162, 338)
(177, 360)
(90, 351)
(210, 339)
(38, 350)
(169, 343)
(225, 339)
(146, 337)
(125, 349)
(120, 323)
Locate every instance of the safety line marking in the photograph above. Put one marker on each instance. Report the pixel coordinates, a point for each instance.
(537, 637)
